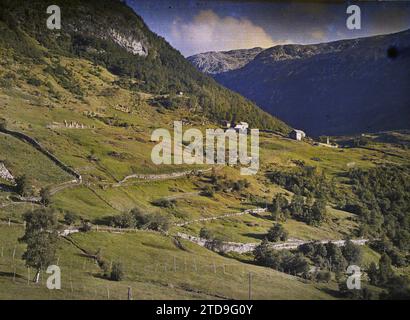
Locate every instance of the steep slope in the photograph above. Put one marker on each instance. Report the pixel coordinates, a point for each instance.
(342, 87)
(219, 62)
(111, 35)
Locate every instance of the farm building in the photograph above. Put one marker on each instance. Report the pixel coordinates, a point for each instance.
(241, 126)
(297, 134)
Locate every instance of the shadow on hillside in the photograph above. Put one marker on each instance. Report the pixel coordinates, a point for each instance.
(6, 188)
(332, 292)
(106, 221)
(258, 236)
(10, 275)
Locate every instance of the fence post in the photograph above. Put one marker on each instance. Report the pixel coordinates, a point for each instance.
(129, 293)
(250, 286)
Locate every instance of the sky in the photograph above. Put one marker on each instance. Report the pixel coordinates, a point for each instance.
(195, 26)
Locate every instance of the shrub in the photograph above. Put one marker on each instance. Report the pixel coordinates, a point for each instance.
(124, 220)
(23, 186)
(208, 192)
(158, 222)
(117, 272)
(34, 82)
(70, 218)
(45, 195)
(139, 216)
(164, 203)
(277, 233)
(205, 233)
(323, 276)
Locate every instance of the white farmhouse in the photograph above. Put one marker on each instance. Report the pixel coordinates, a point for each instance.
(297, 134)
(241, 126)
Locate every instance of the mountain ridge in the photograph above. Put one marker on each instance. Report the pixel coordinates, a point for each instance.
(331, 88)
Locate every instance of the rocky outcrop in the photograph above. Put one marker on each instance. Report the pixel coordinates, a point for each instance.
(219, 62)
(5, 173)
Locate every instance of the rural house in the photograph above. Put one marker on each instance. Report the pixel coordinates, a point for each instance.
(241, 126)
(297, 134)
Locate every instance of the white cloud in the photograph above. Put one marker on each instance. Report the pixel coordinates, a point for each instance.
(210, 32)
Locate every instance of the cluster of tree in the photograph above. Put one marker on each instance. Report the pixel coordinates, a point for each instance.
(24, 186)
(221, 183)
(282, 260)
(398, 257)
(170, 102)
(383, 203)
(136, 218)
(164, 203)
(304, 180)
(113, 271)
(311, 211)
(40, 236)
(381, 275)
(277, 233)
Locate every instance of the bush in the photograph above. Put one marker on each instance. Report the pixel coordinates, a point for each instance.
(158, 222)
(3, 124)
(277, 233)
(23, 186)
(124, 220)
(45, 195)
(164, 203)
(34, 82)
(323, 276)
(208, 192)
(70, 218)
(139, 216)
(205, 233)
(117, 272)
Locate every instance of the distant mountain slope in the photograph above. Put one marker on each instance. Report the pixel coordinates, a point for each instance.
(342, 87)
(111, 35)
(218, 62)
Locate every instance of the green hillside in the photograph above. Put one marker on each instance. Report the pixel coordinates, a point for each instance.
(91, 105)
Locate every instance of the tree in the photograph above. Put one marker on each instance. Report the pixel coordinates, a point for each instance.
(277, 233)
(279, 203)
(205, 233)
(373, 273)
(70, 218)
(317, 213)
(124, 220)
(41, 238)
(263, 253)
(139, 216)
(158, 222)
(23, 186)
(352, 252)
(45, 195)
(385, 269)
(296, 206)
(323, 276)
(3, 124)
(117, 272)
